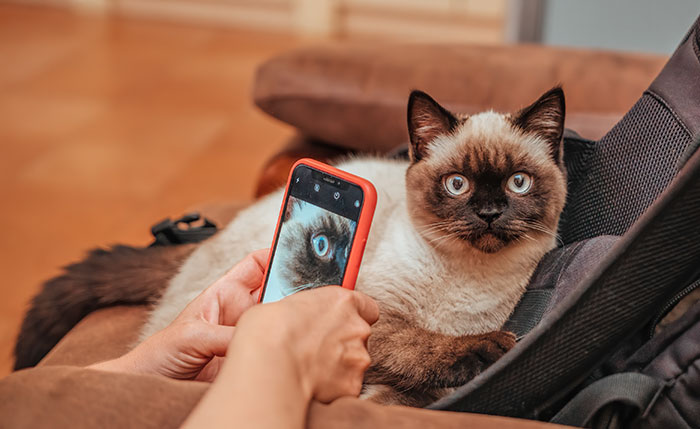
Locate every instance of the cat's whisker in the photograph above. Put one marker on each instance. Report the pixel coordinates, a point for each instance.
(438, 241)
(548, 232)
(432, 228)
(541, 227)
(448, 232)
(439, 225)
(299, 288)
(527, 237)
(447, 229)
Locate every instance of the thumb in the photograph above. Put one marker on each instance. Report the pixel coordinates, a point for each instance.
(250, 270)
(366, 307)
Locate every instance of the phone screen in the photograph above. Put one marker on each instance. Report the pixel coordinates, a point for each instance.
(315, 236)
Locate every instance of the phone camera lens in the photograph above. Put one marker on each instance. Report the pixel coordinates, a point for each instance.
(317, 187)
(336, 195)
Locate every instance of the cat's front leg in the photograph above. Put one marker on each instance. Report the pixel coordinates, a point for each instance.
(410, 358)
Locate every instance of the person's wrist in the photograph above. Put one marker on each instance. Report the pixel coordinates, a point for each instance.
(266, 338)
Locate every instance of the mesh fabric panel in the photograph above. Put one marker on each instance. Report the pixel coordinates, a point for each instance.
(628, 169)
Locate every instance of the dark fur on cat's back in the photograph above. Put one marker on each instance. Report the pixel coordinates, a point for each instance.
(121, 275)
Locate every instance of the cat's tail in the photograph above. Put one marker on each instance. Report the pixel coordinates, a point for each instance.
(120, 275)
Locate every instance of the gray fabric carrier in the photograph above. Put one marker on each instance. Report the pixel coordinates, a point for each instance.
(592, 351)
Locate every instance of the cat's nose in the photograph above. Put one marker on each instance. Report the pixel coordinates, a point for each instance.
(489, 214)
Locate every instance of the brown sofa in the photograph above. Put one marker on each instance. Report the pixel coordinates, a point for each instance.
(342, 98)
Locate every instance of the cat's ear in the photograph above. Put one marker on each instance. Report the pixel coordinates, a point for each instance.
(545, 118)
(291, 205)
(426, 120)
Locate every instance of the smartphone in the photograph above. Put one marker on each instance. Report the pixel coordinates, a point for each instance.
(321, 232)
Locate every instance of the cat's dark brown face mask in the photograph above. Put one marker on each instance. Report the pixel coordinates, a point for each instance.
(489, 180)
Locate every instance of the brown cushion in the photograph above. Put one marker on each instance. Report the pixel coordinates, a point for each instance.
(102, 335)
(72, 397)
(57, 395)
(354, 95)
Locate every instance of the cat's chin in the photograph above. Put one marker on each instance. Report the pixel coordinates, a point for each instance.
(488, 243)
(483, 243)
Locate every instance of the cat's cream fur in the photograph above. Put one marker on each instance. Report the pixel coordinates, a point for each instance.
(469, 294)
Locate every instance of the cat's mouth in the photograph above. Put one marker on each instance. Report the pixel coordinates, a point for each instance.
(488, 243)
(488, 239)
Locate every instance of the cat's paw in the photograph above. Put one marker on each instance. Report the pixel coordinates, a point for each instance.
(478, 353)
(491, 346)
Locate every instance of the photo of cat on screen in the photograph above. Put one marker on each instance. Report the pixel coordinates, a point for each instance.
(312, 250)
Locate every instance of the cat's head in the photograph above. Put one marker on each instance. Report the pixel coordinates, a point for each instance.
(317, 244)
(489, 180)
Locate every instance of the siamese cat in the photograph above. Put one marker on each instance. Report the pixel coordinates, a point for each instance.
(458, 230)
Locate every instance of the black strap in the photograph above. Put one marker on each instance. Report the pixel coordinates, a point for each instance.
(636, 392)
(528, 312)
(181, 231)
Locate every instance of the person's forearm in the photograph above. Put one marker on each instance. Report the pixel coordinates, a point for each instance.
(140, 360)
(259, 387)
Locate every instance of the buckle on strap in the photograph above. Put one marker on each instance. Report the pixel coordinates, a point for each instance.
(181, 231)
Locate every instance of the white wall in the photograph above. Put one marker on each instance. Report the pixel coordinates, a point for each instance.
(631, 25)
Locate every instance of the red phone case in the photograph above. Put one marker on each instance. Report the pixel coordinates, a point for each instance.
(363, 223)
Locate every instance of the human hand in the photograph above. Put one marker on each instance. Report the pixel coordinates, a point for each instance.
(321, 334)
(191, 347)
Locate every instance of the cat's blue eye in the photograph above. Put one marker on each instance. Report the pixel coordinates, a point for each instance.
(321, 245)
(519, 183)
(456, 184)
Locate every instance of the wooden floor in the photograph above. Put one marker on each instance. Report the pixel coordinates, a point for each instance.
(109, 125)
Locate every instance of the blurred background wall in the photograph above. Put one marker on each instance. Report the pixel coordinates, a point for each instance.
(629, 25)
(636, 25)
(429, 20)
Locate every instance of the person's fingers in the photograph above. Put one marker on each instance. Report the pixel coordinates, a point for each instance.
(261, 256)
(249, 272)
(211, 370)
(356, 357)
(215, 339)
(234, 292)
(366, 307)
